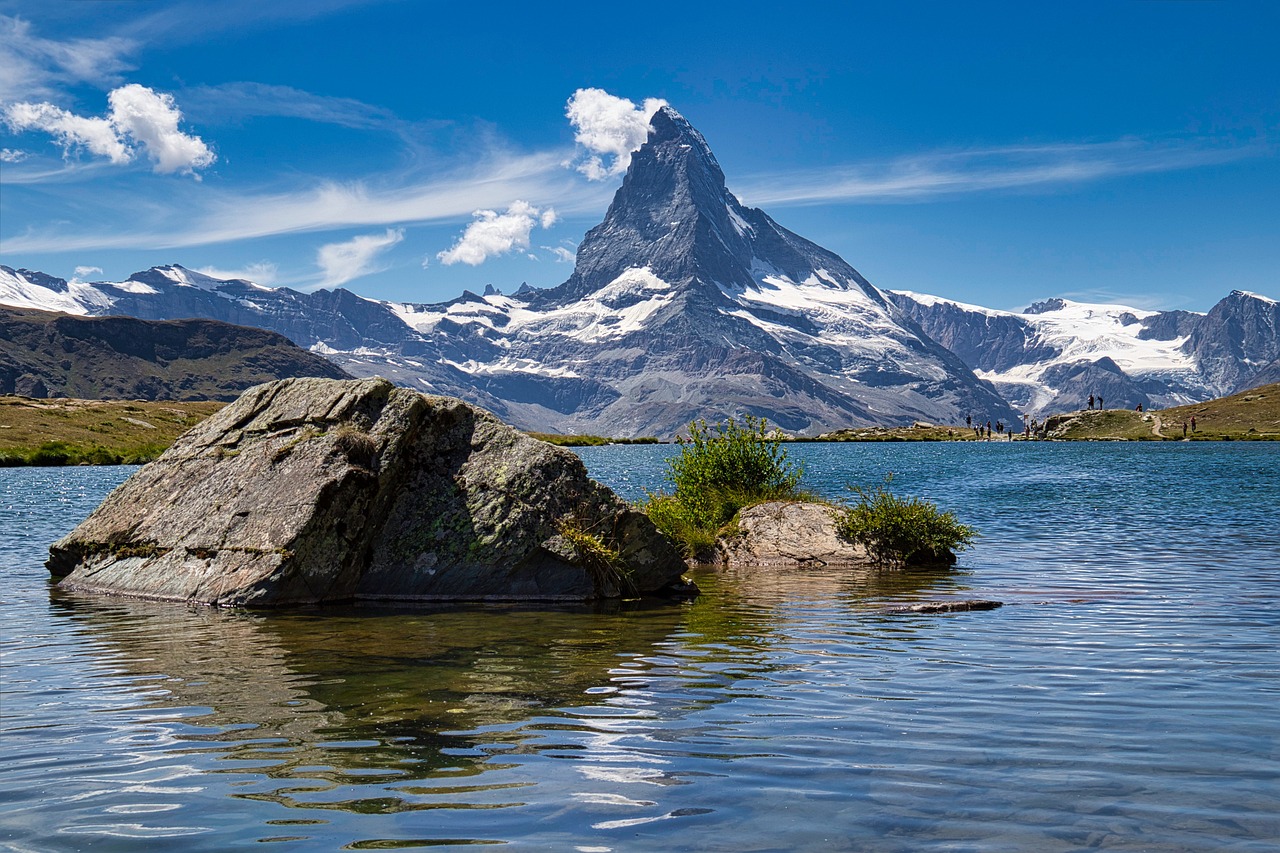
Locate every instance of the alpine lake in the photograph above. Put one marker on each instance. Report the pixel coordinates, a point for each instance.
(1126, 697)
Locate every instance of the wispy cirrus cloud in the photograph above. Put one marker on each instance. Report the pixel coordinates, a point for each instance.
(927, 176)
(35, 67)
(241, 100)
(212, 216)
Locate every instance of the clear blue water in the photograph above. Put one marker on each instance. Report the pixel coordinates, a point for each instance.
(1127, 697)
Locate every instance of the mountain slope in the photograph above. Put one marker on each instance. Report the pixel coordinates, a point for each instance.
(44, 354)
(1055, 354)
(685, 304)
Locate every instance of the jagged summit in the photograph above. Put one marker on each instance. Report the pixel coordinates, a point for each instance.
(675, 216)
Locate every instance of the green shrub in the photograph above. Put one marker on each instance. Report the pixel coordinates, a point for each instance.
(721, 470)
(902, 531)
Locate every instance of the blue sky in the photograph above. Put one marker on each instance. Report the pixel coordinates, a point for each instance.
(987, 152)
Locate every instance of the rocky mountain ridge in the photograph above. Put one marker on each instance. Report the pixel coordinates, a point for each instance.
(1055, 354)
(685, 304)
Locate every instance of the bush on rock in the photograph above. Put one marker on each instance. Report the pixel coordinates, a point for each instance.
(900, 531)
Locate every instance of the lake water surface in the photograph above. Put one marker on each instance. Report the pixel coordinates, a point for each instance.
(1127, 697)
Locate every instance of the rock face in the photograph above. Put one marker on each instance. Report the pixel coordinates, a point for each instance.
(782, 533)
(309, 491)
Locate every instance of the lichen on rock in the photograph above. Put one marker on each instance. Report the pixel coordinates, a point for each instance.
(307, 491)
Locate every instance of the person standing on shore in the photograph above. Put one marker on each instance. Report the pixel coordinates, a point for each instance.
(1193, 423)
(1184, 429)
(1091, 402)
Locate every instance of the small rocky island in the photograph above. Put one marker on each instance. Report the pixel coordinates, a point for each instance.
(310, 491)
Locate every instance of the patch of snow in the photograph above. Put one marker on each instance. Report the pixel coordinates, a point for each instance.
(131, 286)
(929, 301)
(739, 224)
(20, 292)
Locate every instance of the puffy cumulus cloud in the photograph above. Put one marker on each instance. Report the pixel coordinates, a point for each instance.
(608, 126)
(139, 118)
(82, 272)
(492, 233)
(152, 119)
(263, 272)
(97, 135)
(341, 262)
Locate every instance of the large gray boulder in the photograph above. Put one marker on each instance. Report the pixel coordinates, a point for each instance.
(788, 534)
(307, 491)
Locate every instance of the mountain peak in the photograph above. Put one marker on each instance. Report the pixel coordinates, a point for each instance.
(675, 217)
(668, 126)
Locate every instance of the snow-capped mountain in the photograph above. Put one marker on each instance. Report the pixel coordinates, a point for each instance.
(1055, 354)
(685, 304)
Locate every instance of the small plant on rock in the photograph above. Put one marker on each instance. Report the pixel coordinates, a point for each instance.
(721, 470)
(899, 531)
(358, 446)
(603, 563)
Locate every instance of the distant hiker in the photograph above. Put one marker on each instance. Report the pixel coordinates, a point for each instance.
(1091, 402)
(1099, 404)
(1193, 423)
(1184, 429)
(968, 420)
(1139, 407)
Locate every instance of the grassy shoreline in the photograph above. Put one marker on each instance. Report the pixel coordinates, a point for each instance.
(114, 432)
(92, 432)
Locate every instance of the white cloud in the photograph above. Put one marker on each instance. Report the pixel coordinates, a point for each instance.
(494, 233)
(214, 215)
(138, 117)
(263, 272)
(152, 119)
(561, 254)
(608, 126)
(34, 67)
(342, 262)
(81, 272)
(12, 155)
(926, 176)
(97, 135)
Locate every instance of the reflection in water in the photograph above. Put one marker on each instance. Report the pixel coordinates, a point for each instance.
(380, 712)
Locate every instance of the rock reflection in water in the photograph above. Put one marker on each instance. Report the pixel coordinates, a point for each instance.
(387, 711)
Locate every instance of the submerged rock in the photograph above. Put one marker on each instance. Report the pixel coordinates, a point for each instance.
(788, 533)
(306, 491)
(961, 606)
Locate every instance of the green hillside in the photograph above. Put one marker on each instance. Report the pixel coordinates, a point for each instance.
(105, 432)
(1249, 415)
